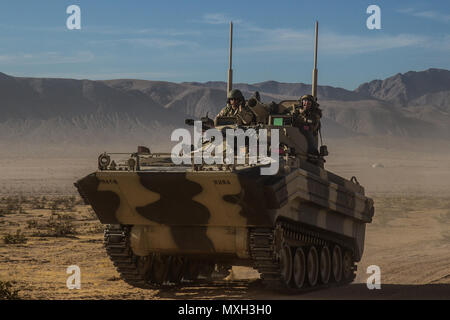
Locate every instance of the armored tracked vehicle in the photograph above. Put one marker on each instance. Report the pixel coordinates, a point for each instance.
(301, 227)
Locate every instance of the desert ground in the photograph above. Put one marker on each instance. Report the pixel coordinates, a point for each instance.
(45, 227)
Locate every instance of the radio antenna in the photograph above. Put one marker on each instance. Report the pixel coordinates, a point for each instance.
(314, 75)
(230, 70)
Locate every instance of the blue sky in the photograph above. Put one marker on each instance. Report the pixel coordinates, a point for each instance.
(188, 40)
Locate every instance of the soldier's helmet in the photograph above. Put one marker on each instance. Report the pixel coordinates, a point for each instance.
(307, 97)
(235, 94)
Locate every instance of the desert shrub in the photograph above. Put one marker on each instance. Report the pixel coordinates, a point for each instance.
(97, 228)
(91, 214)
(12, 208)
(60, 228)
(113, 278)
(16, 238)
(7, 292)
(63, 216)
(443, 218)
(25, 200)
(37, 205)
(63, 203)
(55, 226)
(79, 202)
(31, 224)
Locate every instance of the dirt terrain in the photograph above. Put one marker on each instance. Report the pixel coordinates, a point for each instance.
(409, 238)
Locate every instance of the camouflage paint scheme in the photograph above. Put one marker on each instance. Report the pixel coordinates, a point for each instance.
(209, 212)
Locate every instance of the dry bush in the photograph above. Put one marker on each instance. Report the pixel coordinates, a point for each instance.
(444, 218)
(12, 203)
(31, 224)
(7, 292)
(55, 226)
(63, 203)
(65, 216)
(26, 200)
(91, 214)
(38, 205)
(79, 202)
(17, 238)
(12, 208)
(113, 278)
(97, 228)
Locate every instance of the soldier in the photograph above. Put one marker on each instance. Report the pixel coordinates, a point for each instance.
(307, 119)
(236, 107)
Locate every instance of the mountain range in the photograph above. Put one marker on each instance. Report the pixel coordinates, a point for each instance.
(66, 113)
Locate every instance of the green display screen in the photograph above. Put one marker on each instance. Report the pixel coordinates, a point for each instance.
(278, 121)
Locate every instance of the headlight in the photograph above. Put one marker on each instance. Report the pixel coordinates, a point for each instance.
(103, 161)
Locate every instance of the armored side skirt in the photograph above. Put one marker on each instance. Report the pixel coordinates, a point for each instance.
(179, 212)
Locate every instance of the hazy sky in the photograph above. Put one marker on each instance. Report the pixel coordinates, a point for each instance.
(188, 40)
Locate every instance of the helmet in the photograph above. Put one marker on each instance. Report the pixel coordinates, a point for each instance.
(307, 97)
(235, 94)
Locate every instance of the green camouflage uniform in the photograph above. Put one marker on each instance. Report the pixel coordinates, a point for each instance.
(243, 113)
(244, 116)
(308, 121)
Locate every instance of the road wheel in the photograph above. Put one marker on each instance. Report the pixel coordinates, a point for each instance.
(312, 266)
(347, 265)
(222, 270)
(160, 268)
(286, 264)
(192, 270)
(206, 269)
(144, 266)
(325, 265)
(176, 269)
(299, 266)
(337, 263)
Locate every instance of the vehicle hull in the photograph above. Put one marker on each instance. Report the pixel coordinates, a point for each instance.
(211, 212)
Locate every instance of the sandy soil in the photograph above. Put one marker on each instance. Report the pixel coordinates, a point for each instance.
(409, 238)
(409, 241)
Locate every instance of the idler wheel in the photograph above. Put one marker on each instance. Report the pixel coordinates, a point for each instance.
(336, 261)
(299, 271)
(312, 266)
(347, 265)
(325, 265)
(286, 264)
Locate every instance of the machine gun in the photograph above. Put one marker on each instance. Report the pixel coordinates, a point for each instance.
(207, 122)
